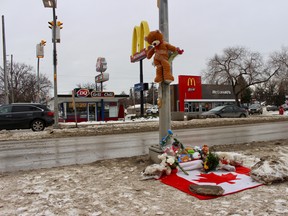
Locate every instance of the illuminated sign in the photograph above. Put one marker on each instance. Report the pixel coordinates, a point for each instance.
(138, 49)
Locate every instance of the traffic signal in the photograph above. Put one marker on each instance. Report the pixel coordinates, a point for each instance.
(51, 24)
(59, 24)
(40, 49)
(43, 43)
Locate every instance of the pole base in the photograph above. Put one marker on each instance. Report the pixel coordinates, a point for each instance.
(154, 151)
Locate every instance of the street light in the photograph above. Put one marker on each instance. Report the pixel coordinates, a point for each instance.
(53, 4)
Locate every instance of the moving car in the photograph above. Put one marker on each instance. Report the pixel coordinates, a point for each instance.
(255, 109)
(152, 110)
(25, 116)
(227, 111)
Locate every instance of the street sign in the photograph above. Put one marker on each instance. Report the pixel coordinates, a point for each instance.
(141, 87)
(138, 87)
(102, 77)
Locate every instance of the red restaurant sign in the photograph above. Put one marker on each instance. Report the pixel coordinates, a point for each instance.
(189, 88)
(80, 92)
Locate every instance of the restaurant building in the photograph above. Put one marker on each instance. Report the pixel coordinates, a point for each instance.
(190, 95)
(90, 106)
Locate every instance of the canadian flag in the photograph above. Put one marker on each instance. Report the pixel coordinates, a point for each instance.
(231, 182)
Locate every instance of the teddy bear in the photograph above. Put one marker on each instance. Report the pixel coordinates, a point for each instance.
(162, 50)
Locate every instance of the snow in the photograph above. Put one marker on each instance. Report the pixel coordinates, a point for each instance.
(113, 187)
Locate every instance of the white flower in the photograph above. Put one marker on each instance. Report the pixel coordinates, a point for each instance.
(170, 160)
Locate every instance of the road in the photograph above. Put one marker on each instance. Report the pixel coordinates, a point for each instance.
(45, 153)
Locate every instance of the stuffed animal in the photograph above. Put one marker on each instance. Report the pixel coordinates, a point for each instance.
(161, 49)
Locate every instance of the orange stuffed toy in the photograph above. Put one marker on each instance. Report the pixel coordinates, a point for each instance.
(161, 49)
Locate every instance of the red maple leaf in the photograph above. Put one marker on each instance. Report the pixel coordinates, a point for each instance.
(218, 179)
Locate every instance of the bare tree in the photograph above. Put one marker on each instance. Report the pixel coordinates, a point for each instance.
(279, 59)
(22, 84)
(91, 85)
(237, 63)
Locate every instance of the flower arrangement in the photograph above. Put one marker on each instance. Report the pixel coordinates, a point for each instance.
(170, 157)
(211, 162)
(171, 161)
(176, 153)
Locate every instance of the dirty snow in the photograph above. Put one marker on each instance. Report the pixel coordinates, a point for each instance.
(112, 187)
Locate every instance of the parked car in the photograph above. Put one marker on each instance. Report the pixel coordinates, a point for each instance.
(152, 110)
(227, 111)
(25, 116)
(255, 109)
(285, 107)
(271, 108)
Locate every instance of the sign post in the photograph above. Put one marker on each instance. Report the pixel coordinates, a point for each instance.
(139, 52)
(101, 66)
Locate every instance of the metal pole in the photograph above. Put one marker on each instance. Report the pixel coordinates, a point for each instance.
(141, 92)
(4, 63)
(102, 103)
(11, 73)
(38, 84)
(153, 97)
(56, 112)
(164, 89)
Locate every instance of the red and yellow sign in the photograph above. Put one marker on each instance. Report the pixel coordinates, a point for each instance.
(189, 88)
(138, 50)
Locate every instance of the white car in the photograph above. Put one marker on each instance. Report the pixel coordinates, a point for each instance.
(152, 110)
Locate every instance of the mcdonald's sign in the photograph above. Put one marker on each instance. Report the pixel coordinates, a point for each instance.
(138, 50)
(191, 82)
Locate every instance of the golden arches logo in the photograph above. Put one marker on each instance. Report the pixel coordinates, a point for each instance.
(191, 82)
(138, 40)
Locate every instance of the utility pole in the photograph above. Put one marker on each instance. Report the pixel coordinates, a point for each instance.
(5, 63)
(164, 89)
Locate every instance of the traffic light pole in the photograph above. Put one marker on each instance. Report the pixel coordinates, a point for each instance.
(38, 81)
(56, 109)
(5, 63)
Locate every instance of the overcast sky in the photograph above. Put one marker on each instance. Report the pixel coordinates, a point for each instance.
(103, 28)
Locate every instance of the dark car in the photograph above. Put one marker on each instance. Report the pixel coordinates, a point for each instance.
(255, 109)
(285, 107)
(271, 108)
(25, 116)
(227, 111)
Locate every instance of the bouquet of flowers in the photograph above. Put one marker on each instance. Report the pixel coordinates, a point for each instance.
(211, 162)
(170, 157)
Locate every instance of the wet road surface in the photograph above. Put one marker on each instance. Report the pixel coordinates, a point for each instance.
(46, 153)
